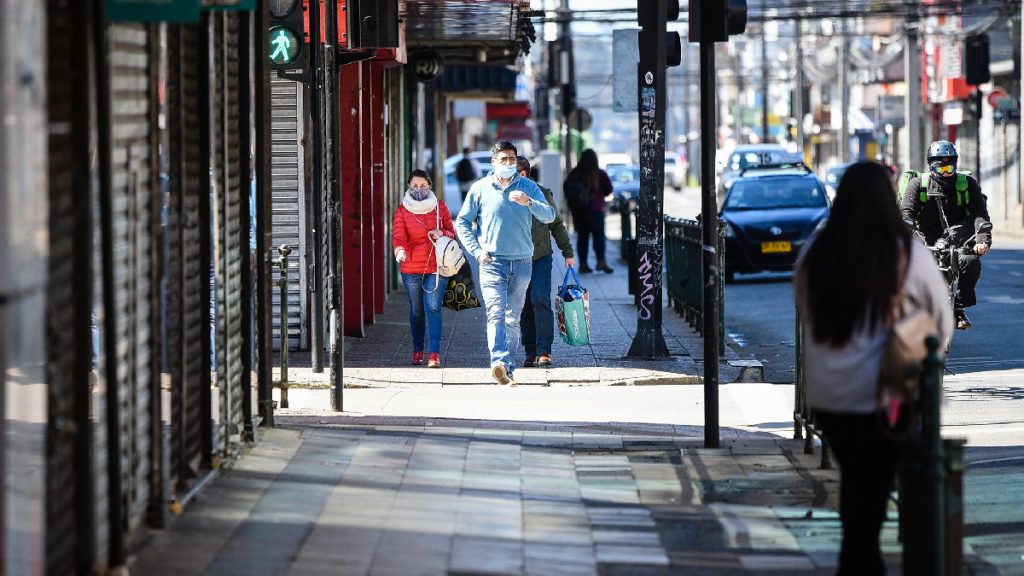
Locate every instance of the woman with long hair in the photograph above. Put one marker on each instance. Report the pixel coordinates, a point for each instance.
(589, 221)
(846, 280)
(419, 220)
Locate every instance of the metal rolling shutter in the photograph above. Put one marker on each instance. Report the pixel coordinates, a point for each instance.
(186, 303)
(132, 194)
(289, 218)
(68, 342)
(227, 155)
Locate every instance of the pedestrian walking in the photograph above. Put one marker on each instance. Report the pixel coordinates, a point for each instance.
(588, 212)
(466, 172)
(846, 280)
(418, 222)
(502, 206)
(537, 320)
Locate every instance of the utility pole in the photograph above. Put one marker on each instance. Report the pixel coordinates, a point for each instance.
(912, 104)
(317, 143)
(332, 198)
(764, 80)
(798, 94)
(566, 78)
(653, 16)
(844, 85)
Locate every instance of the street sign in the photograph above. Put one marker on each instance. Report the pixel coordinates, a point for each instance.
(285, 46)
(625, 57)
(153, 10)
(426, 66)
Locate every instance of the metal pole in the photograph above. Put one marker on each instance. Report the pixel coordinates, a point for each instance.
(648, 341)
(764, 82)
(709, 232)
(282, 283)
(844, 87)
(332, 201)
(565, 78)
(264, 236)
(977, 133)
(798, 94)
(316, 140)
(913, 103)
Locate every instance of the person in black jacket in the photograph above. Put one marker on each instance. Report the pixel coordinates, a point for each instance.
(466, 172)
(960, 198)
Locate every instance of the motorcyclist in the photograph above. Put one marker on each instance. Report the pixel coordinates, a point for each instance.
(963, 203)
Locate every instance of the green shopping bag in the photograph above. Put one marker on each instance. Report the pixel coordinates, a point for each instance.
(572, 305)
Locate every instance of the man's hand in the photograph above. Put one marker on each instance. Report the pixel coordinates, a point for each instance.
(570, 262)
(483, 258)
(981, 249)
(519, 197)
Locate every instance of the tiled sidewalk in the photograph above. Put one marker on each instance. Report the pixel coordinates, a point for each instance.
(459, 498)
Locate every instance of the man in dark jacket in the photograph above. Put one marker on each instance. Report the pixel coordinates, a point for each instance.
(466, 172)
(961, 201)
(537, 320)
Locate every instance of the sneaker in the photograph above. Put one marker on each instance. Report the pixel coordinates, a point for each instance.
(500, 374)
(434, 361)
(417, 358)
(544, 360)
(962, 321)
(529, 361)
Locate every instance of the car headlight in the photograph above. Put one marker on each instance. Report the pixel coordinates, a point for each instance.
(727, 230)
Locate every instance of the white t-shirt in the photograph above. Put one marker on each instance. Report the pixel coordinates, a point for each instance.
(844, 379)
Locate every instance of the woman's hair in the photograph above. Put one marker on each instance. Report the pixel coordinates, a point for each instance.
(422, 174)
(850, 272)
(586, 169)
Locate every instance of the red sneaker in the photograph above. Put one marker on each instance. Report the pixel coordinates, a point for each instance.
(417, 358)
(434, 361)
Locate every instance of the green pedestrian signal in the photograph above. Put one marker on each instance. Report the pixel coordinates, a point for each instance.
(284, 46)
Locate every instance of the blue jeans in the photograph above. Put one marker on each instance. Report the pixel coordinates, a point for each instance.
(417, 287)
(538, 322)
(503, 285)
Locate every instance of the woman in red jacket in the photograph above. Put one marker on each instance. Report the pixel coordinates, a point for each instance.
(420, 220)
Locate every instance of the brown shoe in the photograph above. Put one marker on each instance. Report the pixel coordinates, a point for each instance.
(604, 267)
(544, 360)
(529, 361)
(500, 374)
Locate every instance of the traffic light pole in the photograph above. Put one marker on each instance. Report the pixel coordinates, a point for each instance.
(709, 232)
(652, 16)
(316, 83)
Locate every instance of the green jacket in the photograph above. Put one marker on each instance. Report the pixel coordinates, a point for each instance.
(541, 232)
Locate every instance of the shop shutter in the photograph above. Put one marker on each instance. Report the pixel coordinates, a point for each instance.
(288, 214)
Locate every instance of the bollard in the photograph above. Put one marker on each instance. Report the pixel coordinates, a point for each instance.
(282, 281)
(626, 220)
(953, 449)
(922, 524)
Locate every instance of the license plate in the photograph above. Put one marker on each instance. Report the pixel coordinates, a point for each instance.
(776, 247)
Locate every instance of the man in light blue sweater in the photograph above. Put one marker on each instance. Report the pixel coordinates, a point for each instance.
(503, 206)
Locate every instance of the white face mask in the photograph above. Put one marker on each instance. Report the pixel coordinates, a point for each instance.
(505, 171)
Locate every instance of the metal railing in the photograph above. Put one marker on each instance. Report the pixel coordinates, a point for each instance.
(684, 273)
(803, 419)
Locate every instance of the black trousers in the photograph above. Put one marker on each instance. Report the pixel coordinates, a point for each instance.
(867, 468)
(970, 272)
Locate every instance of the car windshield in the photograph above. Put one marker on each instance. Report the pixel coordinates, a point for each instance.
(623, 174)
(798, 192)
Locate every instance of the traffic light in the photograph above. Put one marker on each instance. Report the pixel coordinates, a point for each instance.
(716, 20)
(649, 17)
(372, 23)
(286, 35)
(976, 59)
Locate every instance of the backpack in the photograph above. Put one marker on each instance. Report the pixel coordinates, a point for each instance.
(963, 196)
(576, 195)
(450, 257)
(464, 170)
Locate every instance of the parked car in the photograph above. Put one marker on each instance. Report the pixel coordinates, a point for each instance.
(452, 194)
(767, 216)
(612, 160)
(625, 184)
(832, 177)
(675, 172)
(747, 156)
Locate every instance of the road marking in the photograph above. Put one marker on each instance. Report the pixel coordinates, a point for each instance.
(1004, 299)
